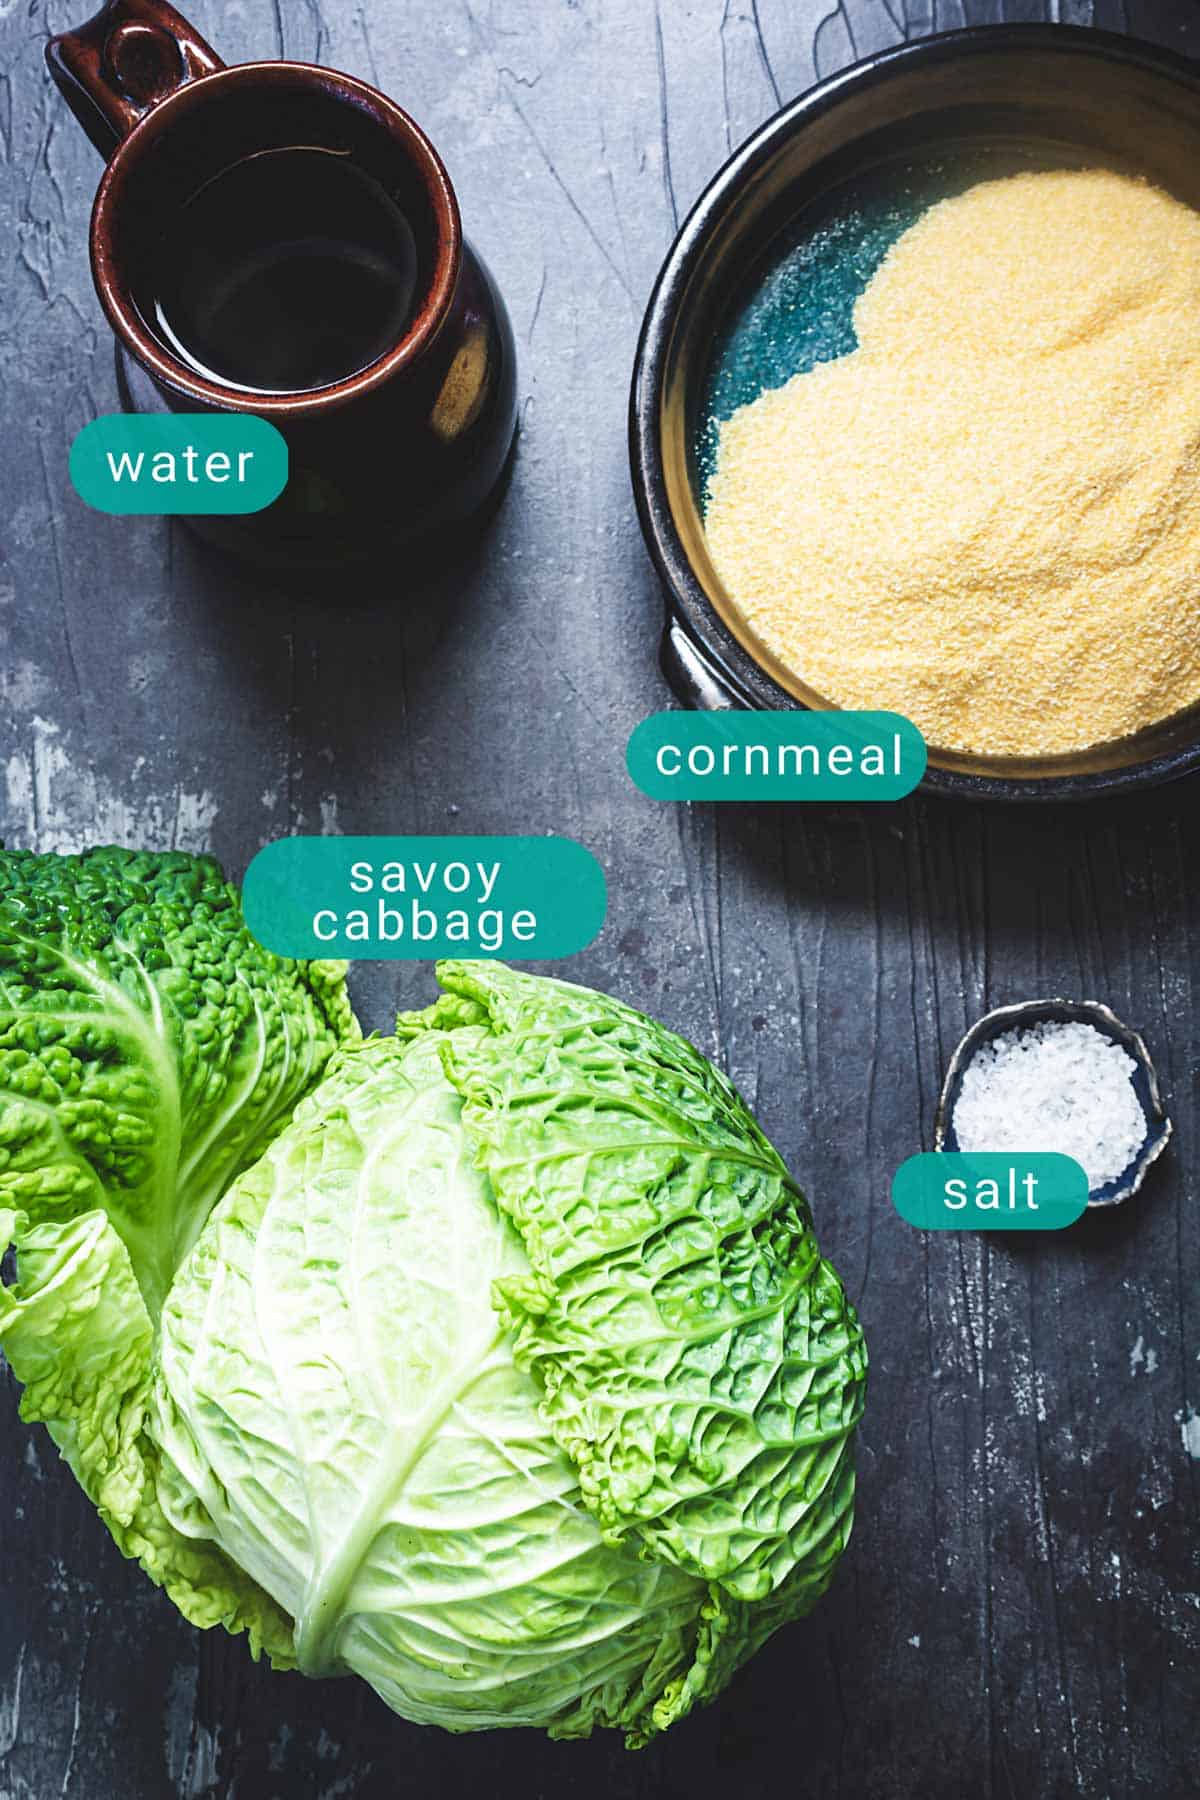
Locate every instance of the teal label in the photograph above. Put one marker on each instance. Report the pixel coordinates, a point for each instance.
(179, 463)
(405, 897)
(776, 756)
(990, 1190)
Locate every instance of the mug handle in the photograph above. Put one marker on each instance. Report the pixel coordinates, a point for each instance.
(116, 68)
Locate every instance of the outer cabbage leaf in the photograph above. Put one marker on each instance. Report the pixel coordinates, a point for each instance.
(697, 1360)
(340, 1409)
(78, 1335)
(149, 1047)
(149, 1050)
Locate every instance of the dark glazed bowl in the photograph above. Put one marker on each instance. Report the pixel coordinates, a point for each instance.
(1022, 1017)
(1060, 89)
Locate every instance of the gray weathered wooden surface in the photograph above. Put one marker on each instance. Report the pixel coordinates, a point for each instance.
(1019, 1613)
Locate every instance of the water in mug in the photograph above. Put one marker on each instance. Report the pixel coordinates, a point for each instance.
(287, 271)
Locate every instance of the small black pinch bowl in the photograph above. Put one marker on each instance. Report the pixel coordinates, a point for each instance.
(1028, 1013)
(1062, 91)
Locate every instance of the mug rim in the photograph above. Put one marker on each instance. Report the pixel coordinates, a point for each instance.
(139, 340)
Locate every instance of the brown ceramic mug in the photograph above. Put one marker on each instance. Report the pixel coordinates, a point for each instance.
(411, 443)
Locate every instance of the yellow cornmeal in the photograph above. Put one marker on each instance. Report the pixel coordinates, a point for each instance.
(987, 517)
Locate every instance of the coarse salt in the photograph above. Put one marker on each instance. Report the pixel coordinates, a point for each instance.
(1053, 1086)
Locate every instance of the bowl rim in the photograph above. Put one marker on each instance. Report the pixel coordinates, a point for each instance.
(688, 607)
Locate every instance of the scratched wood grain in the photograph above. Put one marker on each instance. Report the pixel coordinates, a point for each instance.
(1019, 1613)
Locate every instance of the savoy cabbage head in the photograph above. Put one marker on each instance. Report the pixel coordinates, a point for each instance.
(505, 1374)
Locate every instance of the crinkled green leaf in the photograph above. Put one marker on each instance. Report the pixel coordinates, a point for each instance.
(149, 1047)
(698, 1361)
